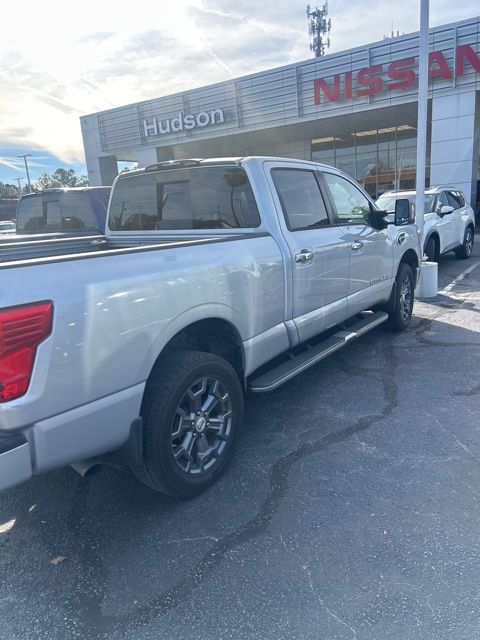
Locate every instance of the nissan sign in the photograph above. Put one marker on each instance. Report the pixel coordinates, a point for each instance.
(400, 75)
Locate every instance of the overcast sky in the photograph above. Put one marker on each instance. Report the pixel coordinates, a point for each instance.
(58, 63)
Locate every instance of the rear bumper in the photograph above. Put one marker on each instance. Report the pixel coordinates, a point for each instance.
(15, 461)
(99, 427)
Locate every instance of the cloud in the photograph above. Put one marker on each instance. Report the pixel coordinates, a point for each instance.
(16, 163)
(6, 162)
(99, 36)
(154, 42)
(15, 133)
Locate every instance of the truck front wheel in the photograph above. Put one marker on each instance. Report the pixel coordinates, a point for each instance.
(401, 305)
(192, 412)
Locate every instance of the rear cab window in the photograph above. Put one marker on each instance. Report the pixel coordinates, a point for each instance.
(184, 199)
(55, 212)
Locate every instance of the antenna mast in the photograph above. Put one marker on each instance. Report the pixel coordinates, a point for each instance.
(319, 27)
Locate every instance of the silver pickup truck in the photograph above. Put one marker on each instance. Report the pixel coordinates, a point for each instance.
(215, 277)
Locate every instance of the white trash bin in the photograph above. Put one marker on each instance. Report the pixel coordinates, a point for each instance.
(428, 283)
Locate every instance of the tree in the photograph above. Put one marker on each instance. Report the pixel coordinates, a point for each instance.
(82, 181)
(9, 191)
(127, 169)
(66, 177)
(60, 178)
(46, 182)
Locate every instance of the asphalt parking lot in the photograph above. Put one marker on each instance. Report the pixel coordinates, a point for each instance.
(351, 511)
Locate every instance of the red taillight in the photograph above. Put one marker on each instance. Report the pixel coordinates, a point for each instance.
(22, 329)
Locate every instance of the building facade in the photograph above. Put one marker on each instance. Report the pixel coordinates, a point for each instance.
(356, 109)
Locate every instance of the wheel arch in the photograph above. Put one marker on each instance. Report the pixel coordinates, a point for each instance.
(410, 257)
(214, 335)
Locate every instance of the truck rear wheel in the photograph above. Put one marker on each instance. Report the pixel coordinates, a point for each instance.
(401, 306)
(192, 413)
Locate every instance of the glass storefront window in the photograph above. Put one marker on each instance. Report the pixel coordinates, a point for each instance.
(345, 155)
(379, 159)
(386, 163)
(323, 150)
(406, 161)
(366, 164)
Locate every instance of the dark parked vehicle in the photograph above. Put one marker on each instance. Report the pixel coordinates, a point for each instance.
(7, 227)
(59, 212)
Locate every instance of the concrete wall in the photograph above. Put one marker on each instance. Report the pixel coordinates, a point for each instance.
(453, 142)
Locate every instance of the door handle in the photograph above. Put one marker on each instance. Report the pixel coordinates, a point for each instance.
(355, 246)
(304, 256)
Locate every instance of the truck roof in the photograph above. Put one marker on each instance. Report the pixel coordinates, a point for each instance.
(233, 160)
(63, 190)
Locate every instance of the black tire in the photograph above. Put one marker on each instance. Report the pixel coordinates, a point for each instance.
(183, 465)
(465, 251)
(431, 250)
(401, 307)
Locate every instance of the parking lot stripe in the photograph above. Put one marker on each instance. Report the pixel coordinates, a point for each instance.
(450, 286)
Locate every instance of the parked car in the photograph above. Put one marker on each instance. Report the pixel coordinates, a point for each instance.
(449, 220)
(62, 212)
(7, 227)
(215, 277)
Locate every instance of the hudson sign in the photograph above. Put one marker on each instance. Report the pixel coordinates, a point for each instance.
(400, 74)
(158, 127)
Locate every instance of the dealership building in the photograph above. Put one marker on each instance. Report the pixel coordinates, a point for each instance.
(356, 109)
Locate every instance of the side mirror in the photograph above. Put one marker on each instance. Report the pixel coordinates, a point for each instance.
(446, 209)
(377, 219)
(403, 212)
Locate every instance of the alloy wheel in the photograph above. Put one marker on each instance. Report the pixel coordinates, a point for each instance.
(406, 297)
(469, 242)
(202, 425)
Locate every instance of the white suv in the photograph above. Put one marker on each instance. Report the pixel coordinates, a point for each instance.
(449, 220)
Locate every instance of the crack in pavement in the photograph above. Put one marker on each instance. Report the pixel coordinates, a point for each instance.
(474, 391)
(331, 613)
(89, 616)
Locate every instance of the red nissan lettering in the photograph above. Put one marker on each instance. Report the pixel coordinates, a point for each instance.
(437, 66)
(367, 78)
(331, 93)
(465, 52)
(397, 71)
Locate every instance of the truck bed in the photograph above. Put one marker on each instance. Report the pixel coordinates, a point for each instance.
(64, 249)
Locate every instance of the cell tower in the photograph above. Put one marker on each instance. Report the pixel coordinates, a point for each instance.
(319, 27)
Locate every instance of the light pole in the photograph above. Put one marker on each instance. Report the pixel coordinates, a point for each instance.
(422, 119)
(427, 287)
(19, 185)
(25, 156)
